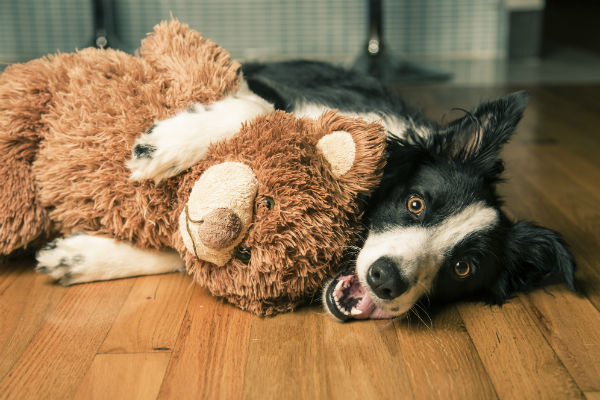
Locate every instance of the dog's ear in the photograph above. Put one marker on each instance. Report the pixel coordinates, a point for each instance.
(534, 256)
(479, 135)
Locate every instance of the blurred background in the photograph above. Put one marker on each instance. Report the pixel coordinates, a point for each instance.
(468, 41)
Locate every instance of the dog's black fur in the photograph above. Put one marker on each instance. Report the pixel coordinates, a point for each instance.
(449, 167)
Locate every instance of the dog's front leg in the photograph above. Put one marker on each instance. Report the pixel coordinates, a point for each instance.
(81, 258)
(175, 144)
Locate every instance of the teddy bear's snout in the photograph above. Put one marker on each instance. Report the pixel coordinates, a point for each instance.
(220, 228)
(219, 211)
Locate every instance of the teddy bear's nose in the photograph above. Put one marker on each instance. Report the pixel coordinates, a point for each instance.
(220, 228)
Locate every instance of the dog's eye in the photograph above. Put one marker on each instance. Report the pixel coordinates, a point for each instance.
(415, 204)
(268, 202)
(462, 269)
(243, 254)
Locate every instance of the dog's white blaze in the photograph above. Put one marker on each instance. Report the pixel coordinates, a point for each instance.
(420, 251)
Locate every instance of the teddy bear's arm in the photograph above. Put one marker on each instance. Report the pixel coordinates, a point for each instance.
(177, 143)
(83, 258)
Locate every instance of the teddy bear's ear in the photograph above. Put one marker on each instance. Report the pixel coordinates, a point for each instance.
(194, 68)
(353, 148)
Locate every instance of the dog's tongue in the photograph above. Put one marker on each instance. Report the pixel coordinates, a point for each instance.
(347, 299)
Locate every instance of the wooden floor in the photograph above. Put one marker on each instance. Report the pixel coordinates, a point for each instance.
(163, 337)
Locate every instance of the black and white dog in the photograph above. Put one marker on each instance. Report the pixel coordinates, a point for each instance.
(435, 226)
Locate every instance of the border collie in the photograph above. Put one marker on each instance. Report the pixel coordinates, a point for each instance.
(435, 224)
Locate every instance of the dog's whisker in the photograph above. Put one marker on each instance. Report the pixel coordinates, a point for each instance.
(422, 309)
(418, 314)
(425, 292)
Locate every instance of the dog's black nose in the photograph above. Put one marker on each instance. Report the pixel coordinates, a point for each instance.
(385, 279)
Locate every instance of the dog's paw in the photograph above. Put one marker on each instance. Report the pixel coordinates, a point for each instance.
(64, 263)
(83, 258)
(175, 144)
(155, 155)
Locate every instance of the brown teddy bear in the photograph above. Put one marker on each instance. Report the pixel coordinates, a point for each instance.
(263, 219)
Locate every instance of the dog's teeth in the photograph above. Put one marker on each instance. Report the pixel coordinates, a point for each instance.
(355, 311)
(340, 308)
(339, 286)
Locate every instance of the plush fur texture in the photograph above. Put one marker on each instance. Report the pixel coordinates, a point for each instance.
(299, 239)
(69, 122)
(67, 125)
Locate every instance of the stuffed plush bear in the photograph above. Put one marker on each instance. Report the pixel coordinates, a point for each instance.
(262, 219)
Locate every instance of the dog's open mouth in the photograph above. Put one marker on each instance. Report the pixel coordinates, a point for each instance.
(347, 299)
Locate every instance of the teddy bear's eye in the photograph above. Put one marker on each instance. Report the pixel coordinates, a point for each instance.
(268, 202)
(243, 254)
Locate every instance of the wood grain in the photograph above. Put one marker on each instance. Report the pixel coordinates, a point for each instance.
(211, 351)
(448, 364)
(572, 327)
(26, 301)
(61, 352)
(124, 376)
(151, 315)
(312, 356)
(287, 355)
(516, 356)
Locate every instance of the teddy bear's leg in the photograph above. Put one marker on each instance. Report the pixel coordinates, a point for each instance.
(24, 99)
(175, 144)
(22, 219)
(81, 258)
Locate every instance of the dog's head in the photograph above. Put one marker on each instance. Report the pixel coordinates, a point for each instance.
(436, 227)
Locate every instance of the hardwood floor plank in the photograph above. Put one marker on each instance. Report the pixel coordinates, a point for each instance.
(580, 96)
(26, 300)
(572, 327)
(151, 316)
(441, 360)
(124, 376)
(578, 170)
(516, 356)
(211, 351)
(285, 353)
(592, 395)
(309, 355)
(363, 360)
(60, 353)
